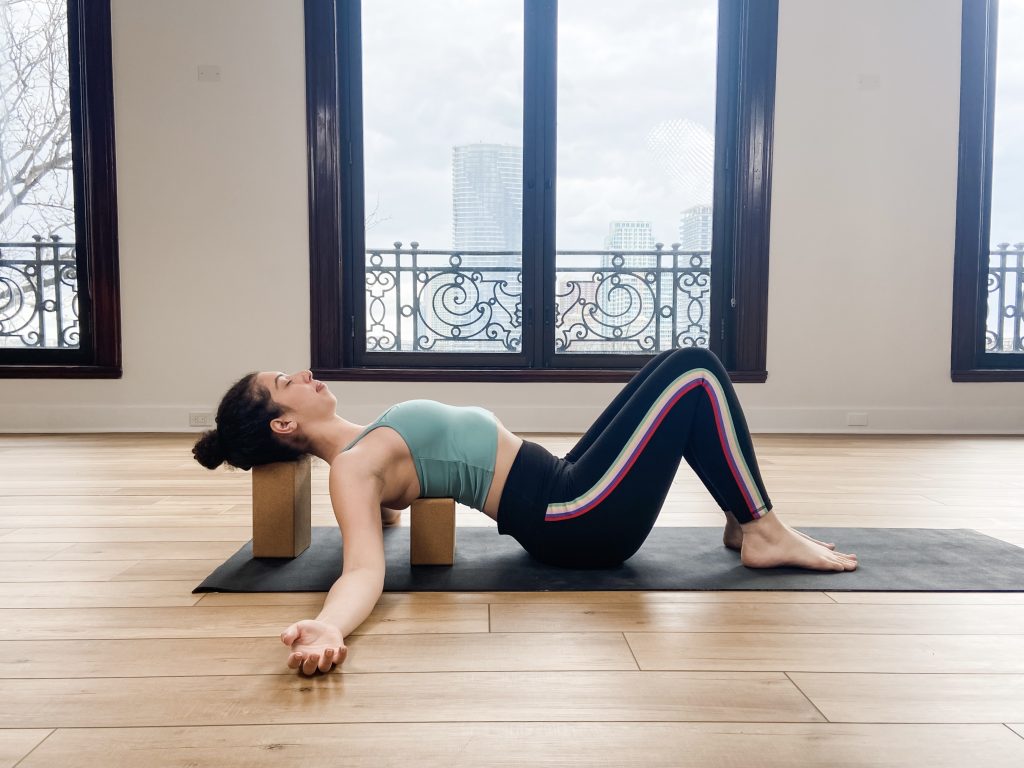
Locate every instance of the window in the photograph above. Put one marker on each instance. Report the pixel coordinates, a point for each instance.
(988, 285)
(441, 134)
(59, 307)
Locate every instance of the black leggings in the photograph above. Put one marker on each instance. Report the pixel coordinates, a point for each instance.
(594, 507)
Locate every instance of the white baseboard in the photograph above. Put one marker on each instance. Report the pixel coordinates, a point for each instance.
(553, 418)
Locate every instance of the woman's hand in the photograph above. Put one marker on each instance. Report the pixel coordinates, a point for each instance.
(315, 645)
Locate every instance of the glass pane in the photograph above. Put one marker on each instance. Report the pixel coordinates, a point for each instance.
(1004, 331)
(38, 275)
(443, 125)
(636, 125)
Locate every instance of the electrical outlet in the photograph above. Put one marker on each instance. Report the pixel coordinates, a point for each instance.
(856, 419)
(208, 73)
(200, 419)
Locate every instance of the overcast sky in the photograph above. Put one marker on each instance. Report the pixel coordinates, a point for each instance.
(1008, 145)
(627, 81)
(629, 84)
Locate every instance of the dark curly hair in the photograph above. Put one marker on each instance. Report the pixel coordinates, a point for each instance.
(243, 437)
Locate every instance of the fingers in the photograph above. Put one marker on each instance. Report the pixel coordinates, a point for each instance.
(309, 666)
(290, 635)
(311, 663)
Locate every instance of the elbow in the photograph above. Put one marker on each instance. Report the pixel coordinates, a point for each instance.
(371, 579)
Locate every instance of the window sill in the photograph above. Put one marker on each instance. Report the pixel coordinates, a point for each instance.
(499, 374)
(60, 372)
(989, 374)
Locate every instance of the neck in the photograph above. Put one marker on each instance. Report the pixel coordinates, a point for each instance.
(329, 438)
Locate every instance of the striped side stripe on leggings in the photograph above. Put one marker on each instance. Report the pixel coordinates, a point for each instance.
(696, 377)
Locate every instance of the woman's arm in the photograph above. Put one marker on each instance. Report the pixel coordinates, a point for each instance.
(356, 495)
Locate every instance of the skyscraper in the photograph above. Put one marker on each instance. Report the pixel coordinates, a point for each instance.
(695, 228)
(629, 236)
(487, 215)
(487, 197)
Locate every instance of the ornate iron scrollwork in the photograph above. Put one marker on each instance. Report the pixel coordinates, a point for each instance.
(629, 301)
(39, 295)
(1004, 326)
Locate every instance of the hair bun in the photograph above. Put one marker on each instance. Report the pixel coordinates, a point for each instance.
(208, 450)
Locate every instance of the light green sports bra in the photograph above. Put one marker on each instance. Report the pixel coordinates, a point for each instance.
(454, 448)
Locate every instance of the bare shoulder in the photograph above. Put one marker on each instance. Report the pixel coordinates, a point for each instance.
(354, 469)
(356, 492)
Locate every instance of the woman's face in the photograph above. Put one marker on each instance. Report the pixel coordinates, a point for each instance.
(303, 398)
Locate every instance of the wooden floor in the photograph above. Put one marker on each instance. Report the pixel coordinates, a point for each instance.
(108, 659)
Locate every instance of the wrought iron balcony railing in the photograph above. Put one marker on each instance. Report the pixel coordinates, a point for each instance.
(606, 301)
(471, 301)
(1004, 329)
(38, 294)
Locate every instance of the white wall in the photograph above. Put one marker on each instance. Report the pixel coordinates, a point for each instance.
(214, 254)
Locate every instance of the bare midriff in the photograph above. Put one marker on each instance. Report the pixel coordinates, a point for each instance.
(386, 451)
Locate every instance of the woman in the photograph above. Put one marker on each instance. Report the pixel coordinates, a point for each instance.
(592, 508)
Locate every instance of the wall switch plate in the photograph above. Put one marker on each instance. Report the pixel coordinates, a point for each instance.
(856, 419)
(869, 81)
(200, 419)
(208, 73)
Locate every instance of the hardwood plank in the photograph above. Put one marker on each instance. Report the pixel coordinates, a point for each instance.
(238, 534)
(49, 570)
(266, 655)
(170, 570)
(19, 551)
(930, 598)
(514, 745)
(245, 621)
(821, 652)
(99, 512)
(145, 550)
(913, 698)
(993, 498)
(128, 519)
(400, 698)
(85, 501)
(97, 594)
(752, 617)
(15, 744)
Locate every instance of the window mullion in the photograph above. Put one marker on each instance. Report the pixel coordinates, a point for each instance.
(538, 175)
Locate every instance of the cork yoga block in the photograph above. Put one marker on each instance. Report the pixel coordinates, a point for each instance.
(432, 532)
(281, 508)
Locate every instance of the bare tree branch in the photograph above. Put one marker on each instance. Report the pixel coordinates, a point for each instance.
(35, 119)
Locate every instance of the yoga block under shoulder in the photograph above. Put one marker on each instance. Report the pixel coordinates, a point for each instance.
(281, 508)
(432, 532)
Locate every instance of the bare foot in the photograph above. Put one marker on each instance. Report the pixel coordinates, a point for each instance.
(769, 543)
(732, 537)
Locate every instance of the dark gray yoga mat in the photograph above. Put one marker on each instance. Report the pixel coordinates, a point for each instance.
(889, 559)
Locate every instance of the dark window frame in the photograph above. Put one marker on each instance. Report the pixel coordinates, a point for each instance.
(92, 131)
(748, 31)
(969, 361)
